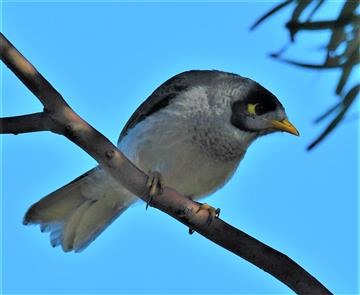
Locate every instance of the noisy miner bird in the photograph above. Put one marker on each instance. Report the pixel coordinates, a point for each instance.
(194, 130)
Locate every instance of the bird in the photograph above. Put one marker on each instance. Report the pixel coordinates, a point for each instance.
(193, 130)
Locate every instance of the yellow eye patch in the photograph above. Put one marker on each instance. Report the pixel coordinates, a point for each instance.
(251, 108)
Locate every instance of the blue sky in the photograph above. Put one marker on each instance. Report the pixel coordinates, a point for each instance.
(105, 58)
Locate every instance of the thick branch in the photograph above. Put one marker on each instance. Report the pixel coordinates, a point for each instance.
(66, 122)
(26, 72)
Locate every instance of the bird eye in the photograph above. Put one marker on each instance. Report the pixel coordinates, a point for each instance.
(251, 108)
(256, 109)
(260, 109)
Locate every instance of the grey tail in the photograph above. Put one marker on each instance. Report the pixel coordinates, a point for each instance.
(77, 213)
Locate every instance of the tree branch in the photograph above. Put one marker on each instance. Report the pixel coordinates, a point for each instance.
(60, 118)
(26, 123)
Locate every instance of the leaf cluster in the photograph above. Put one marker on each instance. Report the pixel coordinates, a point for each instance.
(341, 51)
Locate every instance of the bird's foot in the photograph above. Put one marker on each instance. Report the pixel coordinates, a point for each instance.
(211, 210)
(155, 185)
(213, 213)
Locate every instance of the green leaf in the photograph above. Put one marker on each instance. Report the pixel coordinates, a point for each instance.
(343, 79)
(338, 33)
(349, 8)
(280, 51)
(269, 13)
(327, 113)
(315, 9)
(310, 66)
(353, 44)
(321, 25)
(337, 37)
(347, 68)
(333, 61)
(347, 102)
(299, 9)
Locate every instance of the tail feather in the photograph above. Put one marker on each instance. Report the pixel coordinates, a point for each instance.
(55, 230)
(58, 204)
(67, 236)
(92, 223)
(78, 212)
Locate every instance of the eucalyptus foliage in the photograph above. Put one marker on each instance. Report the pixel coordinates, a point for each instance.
(340, 52)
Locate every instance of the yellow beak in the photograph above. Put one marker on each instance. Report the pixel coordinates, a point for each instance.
(286, 126)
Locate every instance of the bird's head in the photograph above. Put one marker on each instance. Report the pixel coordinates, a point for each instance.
(254, 109)
(228, 112)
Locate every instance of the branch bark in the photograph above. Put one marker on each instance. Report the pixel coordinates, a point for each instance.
(26, 123)
(58, 117)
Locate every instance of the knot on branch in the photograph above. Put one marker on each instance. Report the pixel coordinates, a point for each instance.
(109, 154)
(69, 129)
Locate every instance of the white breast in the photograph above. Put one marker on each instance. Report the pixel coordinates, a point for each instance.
(182, 143)
(183, 166)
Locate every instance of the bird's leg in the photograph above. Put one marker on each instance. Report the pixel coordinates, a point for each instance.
(155, 185)
(213, 213)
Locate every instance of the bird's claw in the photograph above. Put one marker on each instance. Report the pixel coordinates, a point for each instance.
(155, 185)
(213, 213)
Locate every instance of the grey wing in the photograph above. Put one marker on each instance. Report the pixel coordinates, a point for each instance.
(165, 93)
